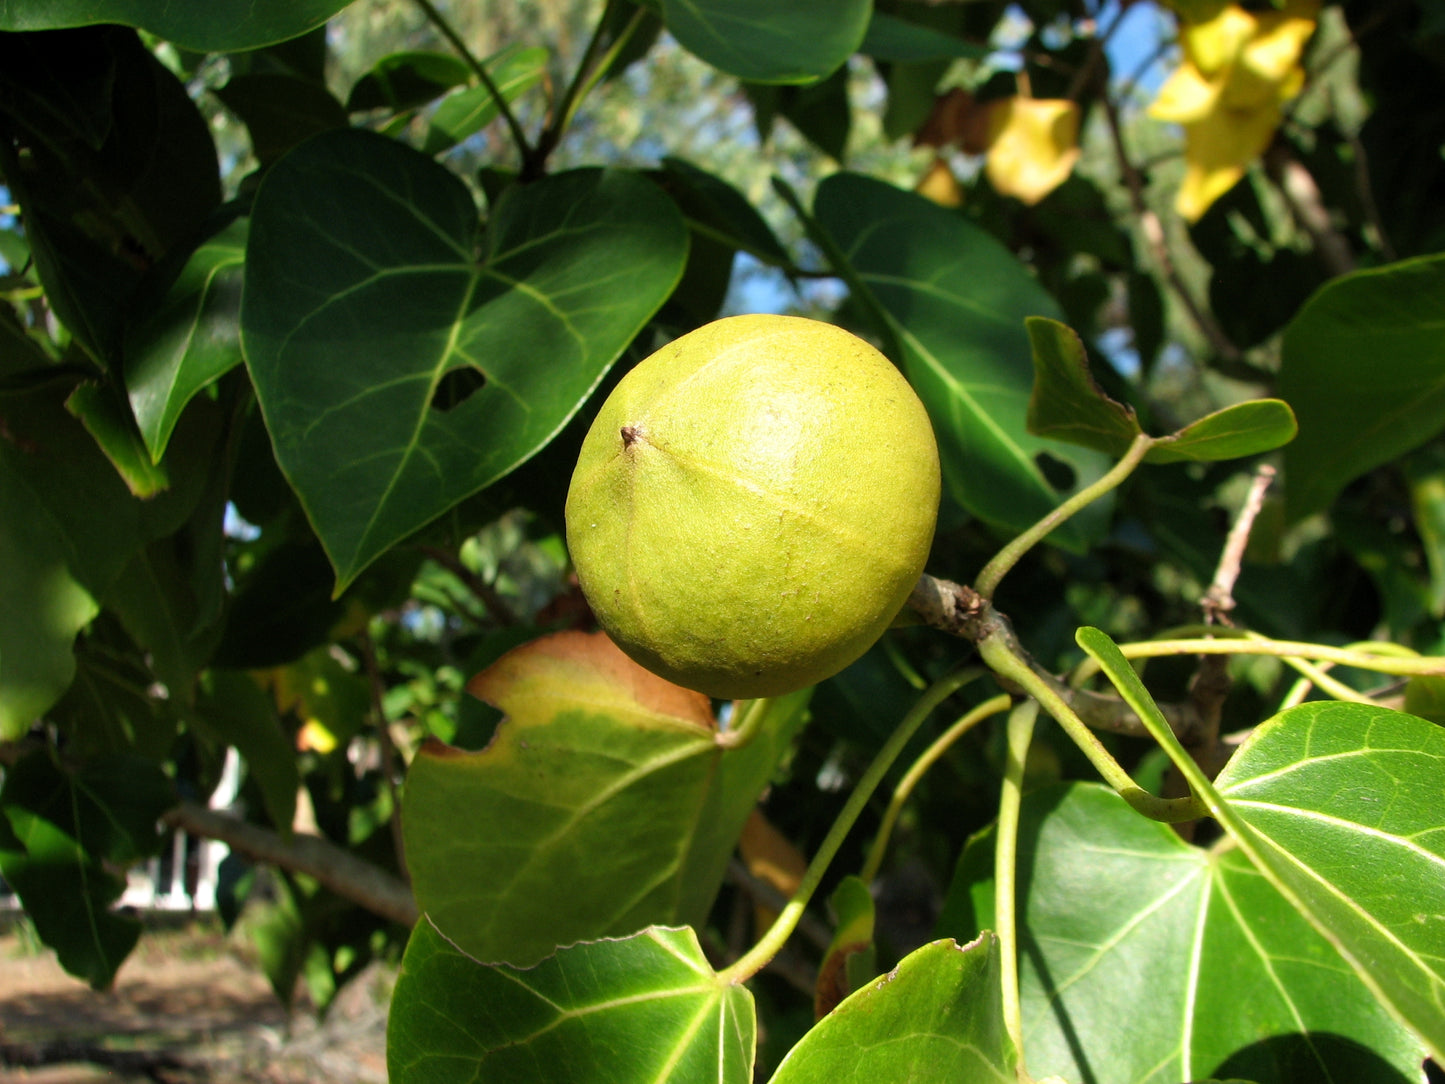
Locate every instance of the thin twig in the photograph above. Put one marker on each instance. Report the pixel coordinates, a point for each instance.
(438, 20)
(1153, 231)
(1218, 601)
(496, 606)
(1307, 207)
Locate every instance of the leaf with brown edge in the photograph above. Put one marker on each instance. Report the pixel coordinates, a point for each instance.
(602, 777)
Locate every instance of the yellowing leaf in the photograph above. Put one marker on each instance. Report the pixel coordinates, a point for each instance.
(940, 185)
(1219, 147)
(1185, 96)
(1034, 146)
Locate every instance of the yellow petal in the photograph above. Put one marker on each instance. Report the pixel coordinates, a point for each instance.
(1217, 149)
(1034, 146)
(1185, 96)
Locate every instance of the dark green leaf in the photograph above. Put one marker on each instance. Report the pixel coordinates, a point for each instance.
(602, 776)
(646, 1007)
(403, 81)
(280, 111)
(717, 205)
(955, 300)
(364, 290)
(95, 104)
(235, 710)
(68, 528)
(1364, 369)
(938, 1015)
(851, 959)
(1065, 402)
(765, 42)
(819, 111)
(67, 828)
(892, 38)
(218, 26)
(1213, 971)
(193, 337)
(1339, 804)
(107, 417)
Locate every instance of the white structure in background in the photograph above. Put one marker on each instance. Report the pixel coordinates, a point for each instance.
(144, 890)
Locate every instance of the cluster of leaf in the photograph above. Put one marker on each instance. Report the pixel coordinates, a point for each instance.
(285, 430)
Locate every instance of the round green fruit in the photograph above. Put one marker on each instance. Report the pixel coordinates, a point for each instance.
(753, 505)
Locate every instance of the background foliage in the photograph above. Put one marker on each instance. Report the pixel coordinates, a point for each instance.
(307, 306)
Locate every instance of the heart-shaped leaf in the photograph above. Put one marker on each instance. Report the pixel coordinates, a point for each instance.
(369, 284)
(191, 339)
(766, 42)
(1363, 365)
(955, 300)
(603, 777)
(218, 26)
(646, 1007)
(1340, 805)
(938, 1015)
(1145, 958)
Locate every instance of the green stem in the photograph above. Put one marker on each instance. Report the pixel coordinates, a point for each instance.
(748, 718)
(1224, 641)
(1003, 661)
(589, 70)
(438, 20)
(987, 580)
(768, 946)
(910, 779)
(1005, 870)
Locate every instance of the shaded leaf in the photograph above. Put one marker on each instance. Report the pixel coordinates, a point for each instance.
(646, 1007)
(765, 42)
(364, 290)
(895, 39)
(1340, 805)
(603, 777)
(192, 338)
(108, 419)
(233, 709)
(955, 300)
(1363, 366)
(68, 529)
(280, 111)
(938, 1015)
(1214, 971)
(819, 111)
(219, 26)
(63, 831)
(403, 81)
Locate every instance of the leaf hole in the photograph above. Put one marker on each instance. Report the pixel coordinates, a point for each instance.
(456, 387)
(1056, 472)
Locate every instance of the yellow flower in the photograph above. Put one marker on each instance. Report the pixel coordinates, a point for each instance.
(1239, 69)
(1033, 145)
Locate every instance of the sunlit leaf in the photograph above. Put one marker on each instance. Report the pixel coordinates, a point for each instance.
(1212, 971)
(467, 110)
(1244, 429)
(1340, 804)
(938, 1015)
(367, 286)
(1363, 366)
(602, 777)
(646, 1007)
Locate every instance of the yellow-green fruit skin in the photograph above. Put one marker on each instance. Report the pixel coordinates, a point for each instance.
(753, 504)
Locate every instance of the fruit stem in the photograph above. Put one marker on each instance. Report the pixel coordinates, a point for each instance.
(747, 719)
(1005, 869)
(768, 946)
(988, 579)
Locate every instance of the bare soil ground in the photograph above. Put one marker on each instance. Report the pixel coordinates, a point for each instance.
(187, 1007)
